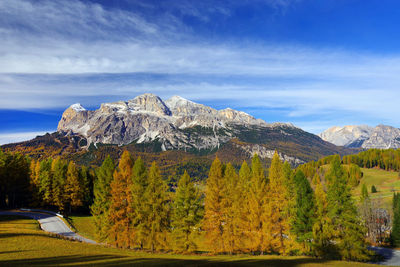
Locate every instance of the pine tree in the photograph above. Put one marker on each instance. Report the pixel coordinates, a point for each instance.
(59, 173)
(120, 232)
(257, 196)
(213, 217)
(364, 193)
(86, 179)
(156, 208)
(395, 234)
(102, 198)
(303, 220)
(137, 208)
(347, 232)
(73, 188)
(321, 231)
(277, 224)
(186, 215)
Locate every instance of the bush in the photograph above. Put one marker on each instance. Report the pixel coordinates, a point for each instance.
(373, 189)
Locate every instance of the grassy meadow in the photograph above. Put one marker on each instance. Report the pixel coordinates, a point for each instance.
(386, 182)
(22, 243)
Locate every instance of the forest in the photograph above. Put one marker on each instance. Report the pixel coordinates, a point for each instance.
(277, 210)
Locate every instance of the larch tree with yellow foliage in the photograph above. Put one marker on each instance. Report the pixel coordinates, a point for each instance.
(276, 224)
(231, 203)
(213, 222)
(156, 209)
(256, 201)
(73, 188)
(120, 232)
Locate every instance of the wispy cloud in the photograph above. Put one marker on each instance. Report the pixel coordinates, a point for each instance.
(6, 138)
(57, 52)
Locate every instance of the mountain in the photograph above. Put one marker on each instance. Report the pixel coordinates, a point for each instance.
(175, 131)
(363, 136)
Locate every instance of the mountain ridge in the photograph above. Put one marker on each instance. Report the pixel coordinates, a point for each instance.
(363, 136)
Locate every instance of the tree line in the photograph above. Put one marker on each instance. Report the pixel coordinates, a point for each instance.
(253, 210)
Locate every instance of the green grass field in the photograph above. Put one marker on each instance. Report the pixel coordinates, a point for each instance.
(22, 243)
(386, 183)
(83, 224)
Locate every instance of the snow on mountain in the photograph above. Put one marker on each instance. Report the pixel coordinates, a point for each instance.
(363, 136)
(147, 118)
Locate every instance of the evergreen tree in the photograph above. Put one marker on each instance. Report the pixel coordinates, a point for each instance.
(59, 173)
(86, 179)
(303, 220)
(277, 224)
(257, 197)
(321, 231)
(102, 198)
(120, 232)
(156, 208)
(136, 202)
(73, 188)
(373, 189)
(213, 217)
(395, 235)
(364, 193)
(186, 215)
(347, 232)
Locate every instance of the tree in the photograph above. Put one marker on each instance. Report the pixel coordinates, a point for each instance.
(277, 224)
(46, 182)
(231, 202)
(256, 197)
(156, 208)
(213, 217)
(243, 208)
(120, 232)
(59, 172)
(137, 207)
(186, 215)
(345, 225)
(102, 198)
(395, 235)
(373, 189)
(303, 220)
(35, 183)
(73, 188)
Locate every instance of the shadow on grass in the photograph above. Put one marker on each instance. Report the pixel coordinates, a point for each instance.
(115, 260)
(8, 235)
(5, 218)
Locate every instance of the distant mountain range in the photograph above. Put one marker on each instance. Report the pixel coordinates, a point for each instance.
(363, 136)
(147, 124)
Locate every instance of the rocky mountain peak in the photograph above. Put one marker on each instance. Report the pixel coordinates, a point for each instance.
(364, 136)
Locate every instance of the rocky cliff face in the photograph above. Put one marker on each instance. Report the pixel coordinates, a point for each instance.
(363, 136)
(176, 123)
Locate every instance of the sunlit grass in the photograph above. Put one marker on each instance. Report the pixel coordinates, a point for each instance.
(22, 243)
(386, 182)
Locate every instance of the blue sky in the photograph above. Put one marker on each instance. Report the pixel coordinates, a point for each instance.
(313, 63)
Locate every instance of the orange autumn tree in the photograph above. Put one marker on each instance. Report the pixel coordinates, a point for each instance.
(121, 233)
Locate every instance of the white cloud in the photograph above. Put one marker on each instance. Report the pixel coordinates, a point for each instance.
(65, 40)
(7, 138)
